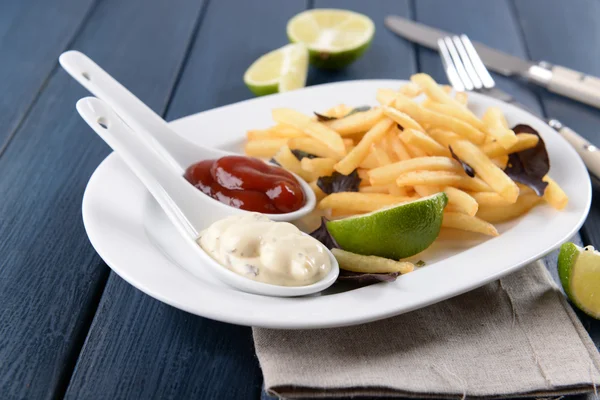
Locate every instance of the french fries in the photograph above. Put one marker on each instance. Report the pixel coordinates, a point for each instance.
(461, 201)
(442, 178)
(389, 173)
(497, 127)
(426, 143)
(487, 170)
(370, 264)
(357, 122)
(504, 213)
(524, 141)
(359, 153)
(469, 223)
(361, 202)
(316, 130)
(401, 152)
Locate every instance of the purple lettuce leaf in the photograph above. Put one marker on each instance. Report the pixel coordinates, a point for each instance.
(337, 182)
(529, 166)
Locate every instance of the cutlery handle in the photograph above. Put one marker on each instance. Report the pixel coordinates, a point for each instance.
(575, 85)
(141, 118)
(169, 189)
(589, 153)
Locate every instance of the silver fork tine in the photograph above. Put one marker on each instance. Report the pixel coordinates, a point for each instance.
(451, 72)
(460, 68)
(482, 72)
(467, 63)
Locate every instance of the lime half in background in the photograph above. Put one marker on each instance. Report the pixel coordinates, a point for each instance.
(579, 272)
(335, 38)
(279, 71)
(394, 232)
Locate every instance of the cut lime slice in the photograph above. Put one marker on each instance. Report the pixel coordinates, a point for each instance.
(395, 232)
(579, 271)
(279, 71)
(335, 38)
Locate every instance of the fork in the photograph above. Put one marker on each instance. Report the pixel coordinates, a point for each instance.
(466, 72)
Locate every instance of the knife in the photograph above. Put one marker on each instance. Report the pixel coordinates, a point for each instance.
(557, 79)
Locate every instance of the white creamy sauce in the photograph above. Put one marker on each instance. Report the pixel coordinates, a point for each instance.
(271, 252)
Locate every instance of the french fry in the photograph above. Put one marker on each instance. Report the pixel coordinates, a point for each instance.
(415, 151)
(319, 194)
(389, 173)
(496, 126)
(287, 131)
(554, 195)
(370, 161)
(424, 142)
(443, 99)
(317, 167)
(446, 88)
(397, 144)
(380, 154)
(486, 170)
(425, 191)
(396, 190)
(375, 189)
(360, 152)
(457, 111)
(461, 201)
(370, 264)
(437, 120)
(502, 213)
(386, 96)
(316, 130)
(338, 111)
(462, 98)
(442, 178)
(361, 202)
(288, 160)
(469, 223)
(363, 174)
(410, 90)
(445, 138)
(501, 162)
(338, 213)
(312, 146)
(524, 141)
(265, 148)
(404, 120)
(357, 122)
(489, 199)
(261, 134)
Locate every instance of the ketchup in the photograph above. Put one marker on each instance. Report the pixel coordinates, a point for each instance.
(247, 183)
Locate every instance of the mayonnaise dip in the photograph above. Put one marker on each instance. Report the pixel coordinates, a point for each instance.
(263, 250)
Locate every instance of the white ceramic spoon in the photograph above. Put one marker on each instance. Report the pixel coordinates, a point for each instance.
(188, 213)
(177, 152)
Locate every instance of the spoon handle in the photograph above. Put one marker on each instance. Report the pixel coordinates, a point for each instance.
(169, 189)
(145, 122)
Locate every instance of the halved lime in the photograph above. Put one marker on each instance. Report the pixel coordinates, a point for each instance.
(279, 71)
(335, 38)
(579, 271)
(394, 232)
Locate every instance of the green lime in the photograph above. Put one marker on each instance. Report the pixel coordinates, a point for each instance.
(335, 38)
(579, 271)
(279, 71)
(394, 232)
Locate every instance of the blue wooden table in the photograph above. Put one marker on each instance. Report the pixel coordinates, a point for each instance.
(69, 327)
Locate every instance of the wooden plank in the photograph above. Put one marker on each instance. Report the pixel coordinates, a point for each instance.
(51, 278)
(138, 347)
(32, 33)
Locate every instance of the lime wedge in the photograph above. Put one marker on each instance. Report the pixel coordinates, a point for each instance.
(279, 71)
(335, 38)
(579, 271)
(394, 232)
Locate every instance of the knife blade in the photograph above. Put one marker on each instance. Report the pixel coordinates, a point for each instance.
(557, 79)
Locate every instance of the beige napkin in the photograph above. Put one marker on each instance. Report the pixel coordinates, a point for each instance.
(513, 337)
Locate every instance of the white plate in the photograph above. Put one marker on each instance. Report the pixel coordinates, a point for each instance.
(135, 239)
